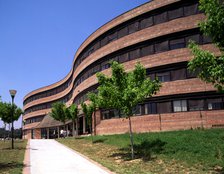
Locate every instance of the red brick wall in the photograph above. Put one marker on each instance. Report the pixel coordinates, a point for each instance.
(171, 121)
(27, 134)
(37, 133)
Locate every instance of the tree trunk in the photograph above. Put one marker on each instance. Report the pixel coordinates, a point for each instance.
(64, 130)
(58, 132)
(91, 131)
(160, 122)
(84, 125)
(94, 117)
(4, 131)
(91, 128)
(73, 128)
(77, 133)
(9, 131)
(202, 126)
(67, 130)
(131, 138)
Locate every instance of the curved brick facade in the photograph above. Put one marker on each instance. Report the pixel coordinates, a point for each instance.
(155, 34)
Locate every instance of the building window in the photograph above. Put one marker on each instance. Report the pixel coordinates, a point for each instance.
(147, 50)
(214, 104)
(150, 108)
(195, 38)
(179, 105)
(96, 45)
(85, 54)
(191, 74)
(177, 43)
(176, 13)
(96, 69)
(123, 32)
(105, 65)
(152, 76)
(90, 51)
(147, 22)
(137, 110)
(191, 10)
(206, 39)
(104, 41)
(164, 107)
(162, 46)
(44, 133)
(163, 77)
(178, 74)
(112, 37)
(107, 114)
(116, 113)
(134, 54)
(115, 58)
(133, 27)
(123, 58)
(160, 18)
(196, 105)
(90, 72)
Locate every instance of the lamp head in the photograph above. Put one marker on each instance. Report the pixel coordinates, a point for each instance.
(12, 92)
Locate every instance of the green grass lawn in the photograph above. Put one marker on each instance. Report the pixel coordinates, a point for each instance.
(191, 151)
(11, 161)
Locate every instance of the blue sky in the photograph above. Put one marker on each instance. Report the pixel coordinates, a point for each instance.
(39, 38)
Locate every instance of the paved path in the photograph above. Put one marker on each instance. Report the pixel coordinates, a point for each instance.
(51, 157)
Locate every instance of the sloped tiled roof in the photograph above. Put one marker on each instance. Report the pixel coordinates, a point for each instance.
(48, 121)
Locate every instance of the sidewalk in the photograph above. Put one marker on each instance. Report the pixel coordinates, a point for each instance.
(51, 157)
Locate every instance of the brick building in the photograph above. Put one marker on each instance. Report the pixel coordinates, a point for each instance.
(155, 34)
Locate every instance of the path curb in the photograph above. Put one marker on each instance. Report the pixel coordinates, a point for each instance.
(26, 161)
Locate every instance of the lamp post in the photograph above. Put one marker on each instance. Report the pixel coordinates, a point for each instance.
(12, 93)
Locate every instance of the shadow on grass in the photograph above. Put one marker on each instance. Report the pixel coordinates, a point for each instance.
(15, 148)
(79, 138)
(11, 165)
(102, 140)
(145, 150)
(219, 170)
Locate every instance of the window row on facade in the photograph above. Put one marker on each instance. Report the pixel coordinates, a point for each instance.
(48, 104)
(141, 22)
(170, 106)
(33, 120)
(49, 92)
(145, 49)
(164, 74)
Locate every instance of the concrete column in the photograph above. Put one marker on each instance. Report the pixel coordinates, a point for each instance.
(67, 130)
(84, 124)
(58, 132)
(47, 133)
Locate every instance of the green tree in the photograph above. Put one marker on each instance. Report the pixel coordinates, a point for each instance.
(93, 98)
(209, 67)
(6, 111)
(88, 112)
(124, 90)
(58, 112)
(72, 113)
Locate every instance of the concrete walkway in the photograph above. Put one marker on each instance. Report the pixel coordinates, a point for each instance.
(51, 157)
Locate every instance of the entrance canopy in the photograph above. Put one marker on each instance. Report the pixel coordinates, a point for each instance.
(48, 121)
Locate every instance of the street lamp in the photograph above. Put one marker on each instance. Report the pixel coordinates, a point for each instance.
(12, 93)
